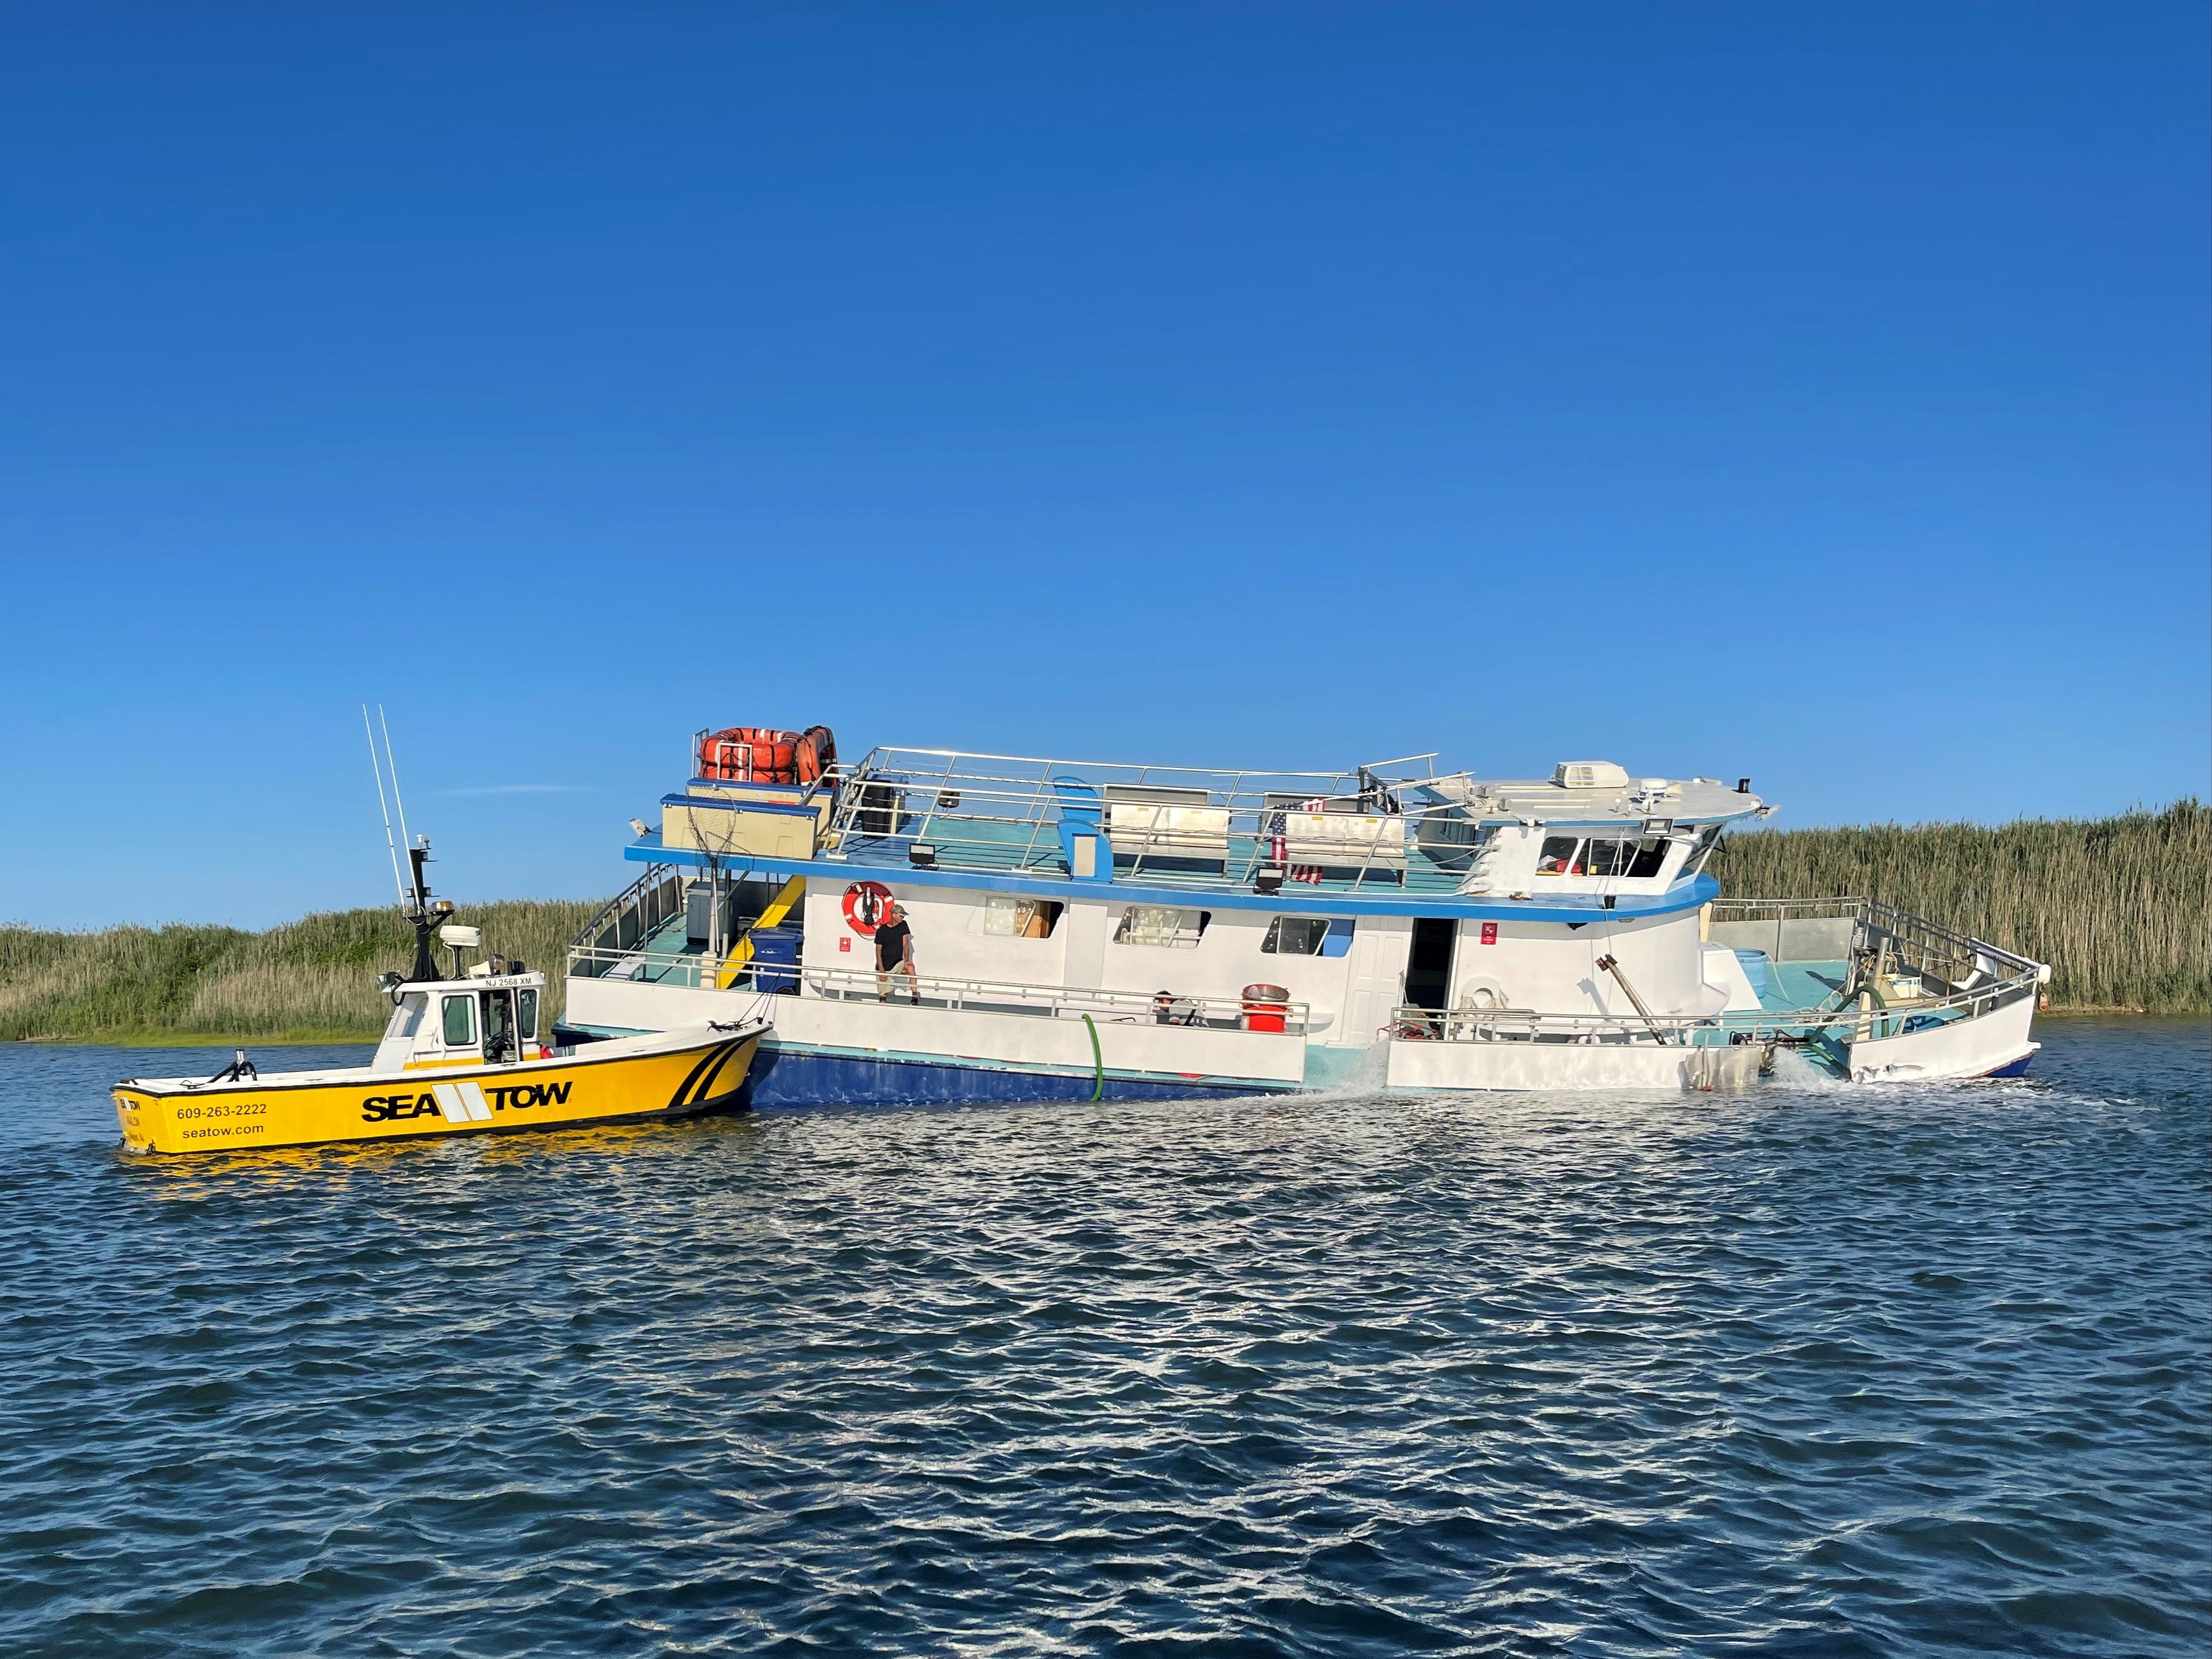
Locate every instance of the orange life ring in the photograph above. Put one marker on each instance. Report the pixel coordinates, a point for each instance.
(863, 906)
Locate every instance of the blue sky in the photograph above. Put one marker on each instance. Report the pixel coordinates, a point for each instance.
(1813, 393)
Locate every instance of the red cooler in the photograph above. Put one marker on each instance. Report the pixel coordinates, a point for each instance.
(1265, 1007)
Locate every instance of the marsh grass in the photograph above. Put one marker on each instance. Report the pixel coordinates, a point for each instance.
(2120, 907)
(314, 978)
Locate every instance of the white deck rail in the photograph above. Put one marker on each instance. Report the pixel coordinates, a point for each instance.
(696, 970)
(1008, 996)
(1007, 813)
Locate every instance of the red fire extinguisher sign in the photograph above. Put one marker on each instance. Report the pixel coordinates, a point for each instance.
(1490, 933)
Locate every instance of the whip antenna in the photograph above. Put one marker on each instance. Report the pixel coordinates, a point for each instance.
(392, 765)
(367, 731)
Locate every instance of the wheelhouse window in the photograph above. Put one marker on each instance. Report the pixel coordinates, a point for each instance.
(1295, 935)
(1158, 924)
(1005, 917)
(1602, 855)
(526, 1018)
(460, 1016)
(407, 1018)
(499, 1025)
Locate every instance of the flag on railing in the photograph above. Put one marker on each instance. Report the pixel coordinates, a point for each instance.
(1279, 847)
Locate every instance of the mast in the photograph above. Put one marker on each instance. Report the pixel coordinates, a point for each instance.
(419, 912)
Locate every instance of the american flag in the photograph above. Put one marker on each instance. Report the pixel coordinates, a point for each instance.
(1279, 847)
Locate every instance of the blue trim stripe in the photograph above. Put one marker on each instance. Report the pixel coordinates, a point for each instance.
(1584, 908)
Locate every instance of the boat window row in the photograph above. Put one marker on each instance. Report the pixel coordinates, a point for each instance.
(1164, 925)
(507, 1016)
(1601, 855)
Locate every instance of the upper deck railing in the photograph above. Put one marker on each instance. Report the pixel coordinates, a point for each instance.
(1178, 826)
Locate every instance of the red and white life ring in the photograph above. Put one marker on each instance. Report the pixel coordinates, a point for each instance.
(863, 906)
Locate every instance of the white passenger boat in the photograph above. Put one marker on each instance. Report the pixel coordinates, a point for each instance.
(1094, 930)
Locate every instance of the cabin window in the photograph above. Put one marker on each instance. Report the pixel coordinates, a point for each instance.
(460, 1021)
(1005, 917)
(1295, 935)
(1650, 857)
(1556, 856)
(526, 1017)
(1158, 924)
(499, 1025)
(407, 1018)
(1607, 857)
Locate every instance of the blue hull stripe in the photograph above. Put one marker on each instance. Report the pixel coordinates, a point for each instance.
(791, 1077)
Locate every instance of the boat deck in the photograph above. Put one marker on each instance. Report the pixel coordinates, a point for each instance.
(1786, 987)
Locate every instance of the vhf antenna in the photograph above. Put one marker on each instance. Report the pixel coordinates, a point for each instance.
(398, 886)
(393, 766)
(416, 907)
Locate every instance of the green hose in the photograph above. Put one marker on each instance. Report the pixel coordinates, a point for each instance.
(1097, 1062)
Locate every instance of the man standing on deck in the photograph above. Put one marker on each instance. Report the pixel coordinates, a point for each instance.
(895, 954)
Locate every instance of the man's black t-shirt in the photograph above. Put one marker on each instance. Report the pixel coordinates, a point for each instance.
(890, 944)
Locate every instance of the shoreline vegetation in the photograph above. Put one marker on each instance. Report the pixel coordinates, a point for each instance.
(308, 981)
(2121, 907)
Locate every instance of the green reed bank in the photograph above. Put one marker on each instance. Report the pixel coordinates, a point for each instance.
(2121, 907)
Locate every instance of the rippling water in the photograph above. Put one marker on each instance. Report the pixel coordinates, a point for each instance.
(1806, 1371)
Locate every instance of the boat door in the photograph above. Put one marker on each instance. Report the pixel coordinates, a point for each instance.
(451, 1037)
(1428, 964)
(500, 1042)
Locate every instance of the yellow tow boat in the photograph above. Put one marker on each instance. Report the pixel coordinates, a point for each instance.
(460, 1056)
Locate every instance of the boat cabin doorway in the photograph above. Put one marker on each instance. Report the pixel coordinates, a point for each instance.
(1428, 965)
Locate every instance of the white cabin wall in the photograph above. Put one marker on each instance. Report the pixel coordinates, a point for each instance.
(949, 941)
(1226, 959)
(1537, 965)
(1546, 967)
(1084, 962)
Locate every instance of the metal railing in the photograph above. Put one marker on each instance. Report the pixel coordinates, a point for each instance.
(1955, 977)
(1006, 813)
(1848, 1024)
(694, 971)
(690, 969)
(629, 918)
(1883, 933)
(1009, 996)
